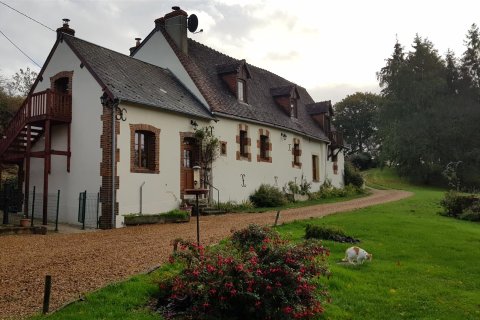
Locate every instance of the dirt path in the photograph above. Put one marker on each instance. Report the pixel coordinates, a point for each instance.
(80, 263)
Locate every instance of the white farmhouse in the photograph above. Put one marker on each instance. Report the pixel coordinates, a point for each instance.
(271, 130)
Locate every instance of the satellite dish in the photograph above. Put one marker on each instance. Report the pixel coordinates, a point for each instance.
(192, 23)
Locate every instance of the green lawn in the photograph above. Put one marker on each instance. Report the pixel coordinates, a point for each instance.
(425, 266)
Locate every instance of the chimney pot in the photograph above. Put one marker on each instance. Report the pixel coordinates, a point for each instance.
(176, 8)
(138, 41)
(65, 28)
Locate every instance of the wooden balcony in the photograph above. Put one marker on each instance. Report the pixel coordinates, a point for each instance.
(336, 139)
(35, 110)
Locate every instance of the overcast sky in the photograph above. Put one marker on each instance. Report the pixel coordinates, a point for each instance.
(332, 48)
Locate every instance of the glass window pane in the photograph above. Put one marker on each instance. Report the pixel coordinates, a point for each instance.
(240, 90)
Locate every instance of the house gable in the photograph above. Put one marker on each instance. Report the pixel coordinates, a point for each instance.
(156, 50)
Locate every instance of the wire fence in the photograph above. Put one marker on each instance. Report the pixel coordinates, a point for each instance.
(35, 205)
(88, 209)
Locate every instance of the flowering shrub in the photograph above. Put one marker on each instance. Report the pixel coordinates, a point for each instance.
(267, 196)
(262, 277)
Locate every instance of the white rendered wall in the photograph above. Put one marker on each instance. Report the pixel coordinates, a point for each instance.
(227, 170)
(336, 179)
(161, 192)
(86, 129)
(158, 52)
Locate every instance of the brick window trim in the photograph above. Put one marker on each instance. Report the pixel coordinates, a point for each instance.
(62, 74)
(298, 164)
(268, 159)
(335, 167)
(239, 156)
(156, 132)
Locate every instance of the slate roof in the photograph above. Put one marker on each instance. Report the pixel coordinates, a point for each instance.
(202, 64)
(319, 107)
(136, 81)
(281, 91)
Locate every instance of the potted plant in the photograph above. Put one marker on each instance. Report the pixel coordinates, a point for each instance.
(184, 206)
(24, 222)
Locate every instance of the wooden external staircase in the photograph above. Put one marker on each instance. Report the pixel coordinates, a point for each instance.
(35, 118)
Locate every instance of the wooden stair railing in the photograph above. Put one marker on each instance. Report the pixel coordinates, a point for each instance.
(39, 106)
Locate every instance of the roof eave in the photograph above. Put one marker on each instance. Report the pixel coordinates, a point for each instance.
(230, 116)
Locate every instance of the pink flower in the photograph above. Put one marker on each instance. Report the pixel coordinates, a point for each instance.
(287, 310)
(210, 268)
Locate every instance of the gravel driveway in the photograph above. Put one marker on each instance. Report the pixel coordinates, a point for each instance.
(83, 262)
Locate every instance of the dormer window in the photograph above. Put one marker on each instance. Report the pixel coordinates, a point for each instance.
(286, 97)
(241, 90)
(235, 75)
(293, 108)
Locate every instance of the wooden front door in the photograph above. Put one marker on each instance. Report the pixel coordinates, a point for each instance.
(189, 160)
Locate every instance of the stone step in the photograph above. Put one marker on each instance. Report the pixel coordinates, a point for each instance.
(211, 211)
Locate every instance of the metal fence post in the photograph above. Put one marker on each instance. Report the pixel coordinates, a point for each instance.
(56, 215)
(33, 206)
(46, 294)
(79, 207)
(98, 204)
(83, 209)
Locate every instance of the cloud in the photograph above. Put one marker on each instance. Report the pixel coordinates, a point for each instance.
(338, 91)
(282, 56)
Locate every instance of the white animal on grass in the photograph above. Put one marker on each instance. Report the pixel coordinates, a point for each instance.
(357, 255)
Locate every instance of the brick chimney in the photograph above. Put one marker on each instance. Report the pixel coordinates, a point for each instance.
(175, 23)
(137, 43)
(65, 28)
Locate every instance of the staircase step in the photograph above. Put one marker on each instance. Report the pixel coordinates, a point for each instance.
(208, 211)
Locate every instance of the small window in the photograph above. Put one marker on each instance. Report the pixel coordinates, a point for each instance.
(61, 85)
(223, 148)
(241, 94)
(315, 172)
(296, 154)
(264, 147)
(243, 143)
(144, 151)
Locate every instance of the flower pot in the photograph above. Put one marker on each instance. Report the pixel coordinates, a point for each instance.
(24, 222)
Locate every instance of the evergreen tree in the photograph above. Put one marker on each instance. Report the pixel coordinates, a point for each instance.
(412, 89)
(453, 73)
(470, 70)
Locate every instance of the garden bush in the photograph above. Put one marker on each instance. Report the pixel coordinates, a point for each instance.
(232, 206)
(472, 213)
(327, 191)
(254, 276)
(352, 176)
(455, 203)
(362, 160)
(267, 196)
(328, 233)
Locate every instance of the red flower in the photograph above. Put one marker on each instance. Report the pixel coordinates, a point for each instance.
(287, 310)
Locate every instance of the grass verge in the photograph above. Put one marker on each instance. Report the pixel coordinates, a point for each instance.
(423, 265)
